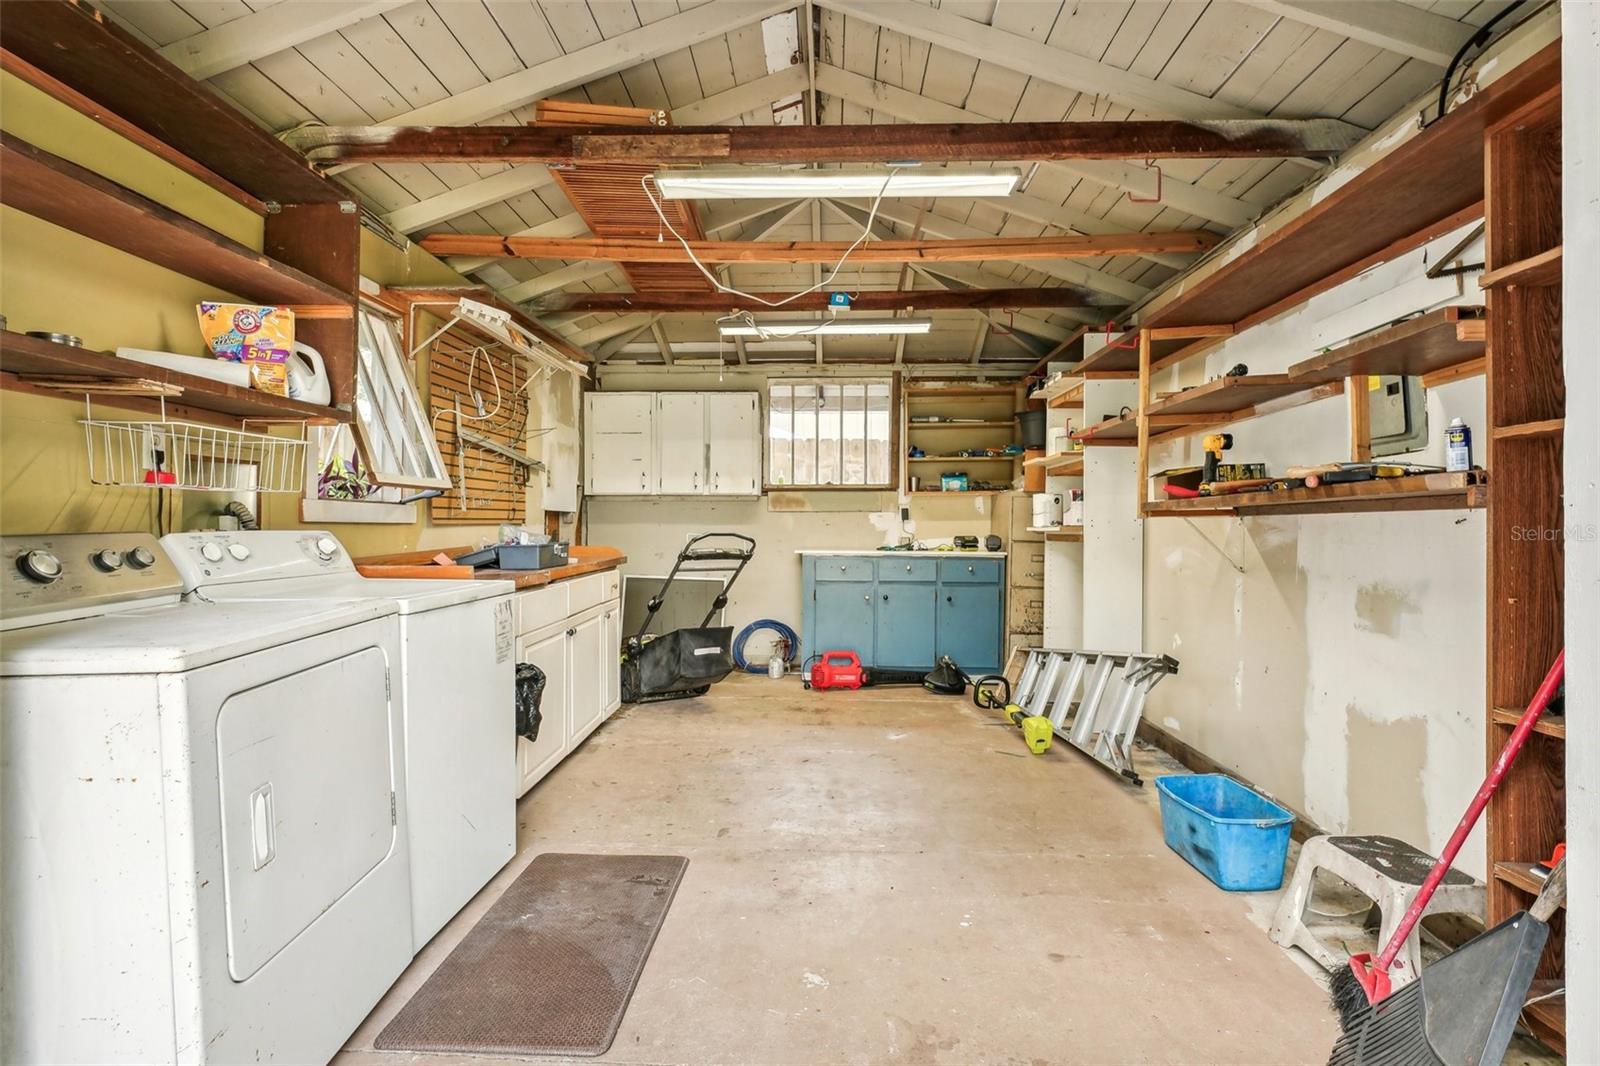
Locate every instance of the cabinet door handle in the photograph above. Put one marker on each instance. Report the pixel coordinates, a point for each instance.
(949, 599)
(841, 569)
(572, 632)
(969, 569)
(908, 568)
(866, 599)
(644, 482)
(885, 597)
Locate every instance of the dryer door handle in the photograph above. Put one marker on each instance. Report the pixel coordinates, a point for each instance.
(262, 833)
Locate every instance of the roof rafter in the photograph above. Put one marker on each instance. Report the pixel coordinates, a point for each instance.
(266, 32)
(863, 300)
(556, 279)
(913, 107)
(1399, 28)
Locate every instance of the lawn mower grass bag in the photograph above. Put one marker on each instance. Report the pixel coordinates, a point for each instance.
(686, 662)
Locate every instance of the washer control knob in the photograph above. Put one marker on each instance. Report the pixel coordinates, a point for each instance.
(108, 560)
(39, 565)
(327, 547)
(239, 551)
(140, 558)
(212, 553)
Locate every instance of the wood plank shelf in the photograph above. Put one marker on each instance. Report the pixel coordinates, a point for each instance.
(1417, 492)
(1122, 430)
(24, 357)
(1063, 533)
(1524, 875)
(67, 195)
(966, 492)
(949, 459)
(1548, 1017)
(1539, 271)
(1430, 343)
(1070, 399)
(1064, 466)
(985, 424)
(1549, 427)
(1550, 725)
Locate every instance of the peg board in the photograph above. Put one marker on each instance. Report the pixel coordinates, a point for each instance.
(496, 487)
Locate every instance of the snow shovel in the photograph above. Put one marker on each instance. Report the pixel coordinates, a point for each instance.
(1462, 1010)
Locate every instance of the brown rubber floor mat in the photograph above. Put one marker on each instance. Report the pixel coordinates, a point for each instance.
(549, 969)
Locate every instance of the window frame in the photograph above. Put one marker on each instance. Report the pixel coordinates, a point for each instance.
(892, 380)
(403, 403)
(316, 510)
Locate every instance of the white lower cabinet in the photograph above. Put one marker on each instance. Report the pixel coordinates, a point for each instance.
(571, 631)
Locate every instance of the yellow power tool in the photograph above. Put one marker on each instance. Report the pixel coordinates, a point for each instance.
(994, 691)
(1214, 444)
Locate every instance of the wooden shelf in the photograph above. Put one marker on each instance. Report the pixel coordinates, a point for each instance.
(1524, 875)
(1122, 430)
(1428, 184)
(1064, 466)
(1064, 385)
(24, 357)
(1418, 492)
(1539, 270)
(968, 492)
(1066, 533)
(1234, 399)
(1549, 427)
(1009, 423)
(1548, 1018)
(1551, 725)
(67, 195)
(75, 52)
(1427, 344)
(964, 458)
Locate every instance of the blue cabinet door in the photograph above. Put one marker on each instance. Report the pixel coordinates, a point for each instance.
(905, 632)
(969, 626)
(844, 618)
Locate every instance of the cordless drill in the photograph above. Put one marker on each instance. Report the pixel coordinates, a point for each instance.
(1214, 444)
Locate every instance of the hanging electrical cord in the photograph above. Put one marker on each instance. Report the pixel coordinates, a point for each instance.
(1477, 40)
(866, 231)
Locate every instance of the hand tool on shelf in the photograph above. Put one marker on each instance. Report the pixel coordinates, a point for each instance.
(1463, 1008)
(1214, 444)
(1365, 981)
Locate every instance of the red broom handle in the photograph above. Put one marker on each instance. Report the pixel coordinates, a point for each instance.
(1502, 765)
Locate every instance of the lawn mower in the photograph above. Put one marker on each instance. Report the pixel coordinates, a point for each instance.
(686, 662)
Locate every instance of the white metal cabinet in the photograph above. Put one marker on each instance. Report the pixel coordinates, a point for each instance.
(681, 443)
(733, 443)
(620, 452)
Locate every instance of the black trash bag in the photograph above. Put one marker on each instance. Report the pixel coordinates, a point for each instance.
(530, 690)
(678, 662)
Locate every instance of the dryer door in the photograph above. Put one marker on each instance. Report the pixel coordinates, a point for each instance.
(307, 799)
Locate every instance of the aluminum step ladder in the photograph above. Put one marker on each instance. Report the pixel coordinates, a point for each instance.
(1094, 699)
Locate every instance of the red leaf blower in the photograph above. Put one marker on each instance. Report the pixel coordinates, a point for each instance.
(837, 669)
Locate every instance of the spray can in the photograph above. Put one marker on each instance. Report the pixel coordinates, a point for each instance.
(775, 666)
(1458, 446)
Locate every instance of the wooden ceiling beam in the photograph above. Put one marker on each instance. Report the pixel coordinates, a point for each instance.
(650, 250)
(866, 300)
(927, 143)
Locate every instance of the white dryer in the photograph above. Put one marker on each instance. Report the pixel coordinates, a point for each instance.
(202, 811)
(457, 678)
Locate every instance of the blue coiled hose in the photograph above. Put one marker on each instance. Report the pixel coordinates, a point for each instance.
(763, 623)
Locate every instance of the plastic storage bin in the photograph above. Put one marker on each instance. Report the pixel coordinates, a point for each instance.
(1236, 837)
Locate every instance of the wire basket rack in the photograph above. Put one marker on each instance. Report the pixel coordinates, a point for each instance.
(175, 454)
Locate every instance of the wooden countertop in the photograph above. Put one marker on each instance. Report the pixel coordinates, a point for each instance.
(586, 559)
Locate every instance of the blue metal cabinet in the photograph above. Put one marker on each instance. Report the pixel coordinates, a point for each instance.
(968, 625)
(904, 611)
(904, 637)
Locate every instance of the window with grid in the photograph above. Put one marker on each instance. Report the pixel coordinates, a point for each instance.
(829, 433)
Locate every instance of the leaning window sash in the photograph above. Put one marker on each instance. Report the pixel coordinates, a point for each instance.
(391, 424)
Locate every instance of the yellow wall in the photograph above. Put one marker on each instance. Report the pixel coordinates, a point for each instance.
(51, 278)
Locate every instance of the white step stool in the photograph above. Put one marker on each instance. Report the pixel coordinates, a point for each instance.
(1387, 871)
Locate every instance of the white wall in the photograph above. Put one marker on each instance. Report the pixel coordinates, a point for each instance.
(1580, 191)
(1335, 660)
(652, 531)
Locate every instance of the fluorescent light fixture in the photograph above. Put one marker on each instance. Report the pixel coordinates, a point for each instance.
(832, 327)
(737, 184)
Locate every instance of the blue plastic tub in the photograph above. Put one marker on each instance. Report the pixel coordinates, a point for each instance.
(1236, 837)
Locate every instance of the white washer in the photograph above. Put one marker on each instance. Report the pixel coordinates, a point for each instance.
(457, 695)
(202, 807)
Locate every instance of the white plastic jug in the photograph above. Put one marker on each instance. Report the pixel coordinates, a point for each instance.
(308, 375)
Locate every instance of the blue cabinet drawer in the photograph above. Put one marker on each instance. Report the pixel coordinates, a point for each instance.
(844, 568)
(892, 569)
(970, 571)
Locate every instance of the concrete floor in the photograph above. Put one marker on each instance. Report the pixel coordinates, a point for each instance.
(887, 876)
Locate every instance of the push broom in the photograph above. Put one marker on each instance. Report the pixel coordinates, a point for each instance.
(1359, 990)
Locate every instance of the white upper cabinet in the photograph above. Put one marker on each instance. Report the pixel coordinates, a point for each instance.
(673, 443)
(681, 443)
(619, 433)
(733, 443)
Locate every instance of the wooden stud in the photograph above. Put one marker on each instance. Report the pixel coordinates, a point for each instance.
(1360, 418)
